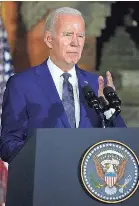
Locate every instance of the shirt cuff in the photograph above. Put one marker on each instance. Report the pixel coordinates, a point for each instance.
(108, 114)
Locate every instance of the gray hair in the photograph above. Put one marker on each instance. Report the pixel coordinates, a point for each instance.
(51, 19)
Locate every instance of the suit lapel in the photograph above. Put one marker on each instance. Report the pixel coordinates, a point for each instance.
(45, 81)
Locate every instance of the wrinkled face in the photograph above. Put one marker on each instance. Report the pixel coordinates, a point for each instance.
(68, 39)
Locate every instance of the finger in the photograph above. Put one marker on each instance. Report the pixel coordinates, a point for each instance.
(109, 80)
(100, 86)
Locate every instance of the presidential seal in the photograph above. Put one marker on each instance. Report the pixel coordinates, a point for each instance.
(110, 172)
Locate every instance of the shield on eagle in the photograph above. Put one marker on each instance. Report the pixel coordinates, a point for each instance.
(110, 178)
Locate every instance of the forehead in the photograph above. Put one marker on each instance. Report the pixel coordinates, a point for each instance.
(69, 22)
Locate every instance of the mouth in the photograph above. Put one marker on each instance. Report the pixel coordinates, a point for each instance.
(72, 53)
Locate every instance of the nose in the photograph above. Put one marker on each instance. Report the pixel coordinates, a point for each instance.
(74, 41)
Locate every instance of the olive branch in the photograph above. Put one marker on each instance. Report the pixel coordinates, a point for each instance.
(94, 182)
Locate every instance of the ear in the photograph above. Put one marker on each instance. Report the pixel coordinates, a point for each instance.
(48, 39)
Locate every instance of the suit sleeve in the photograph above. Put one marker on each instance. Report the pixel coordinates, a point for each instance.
(117, 122)
(13, 118)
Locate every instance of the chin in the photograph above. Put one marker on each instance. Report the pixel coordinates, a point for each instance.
(72, 61)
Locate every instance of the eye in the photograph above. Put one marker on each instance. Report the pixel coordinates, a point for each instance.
(80, 35)
(67, 34)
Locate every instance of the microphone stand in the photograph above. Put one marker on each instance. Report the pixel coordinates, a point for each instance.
(103, 120)
(99, 109)
(102, 107)
(97, 104)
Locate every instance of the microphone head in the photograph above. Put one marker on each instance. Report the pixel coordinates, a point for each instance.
(107, 90)
(111, 96)
(90, 97)
(87, 89)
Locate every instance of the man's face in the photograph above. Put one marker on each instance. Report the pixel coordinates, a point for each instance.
(68, 39)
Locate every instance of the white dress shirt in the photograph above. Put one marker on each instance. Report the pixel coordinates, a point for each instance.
(56, 73)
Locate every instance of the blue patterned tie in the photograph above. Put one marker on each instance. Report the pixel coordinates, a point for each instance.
(68, 99)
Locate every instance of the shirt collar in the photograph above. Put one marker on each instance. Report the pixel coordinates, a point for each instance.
(56, 72)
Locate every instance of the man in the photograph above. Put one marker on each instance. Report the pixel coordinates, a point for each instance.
(50, 95)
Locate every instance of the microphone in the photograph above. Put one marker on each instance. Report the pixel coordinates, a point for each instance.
(91, 98)
(112, 98)
(114, 101)
(94, 102)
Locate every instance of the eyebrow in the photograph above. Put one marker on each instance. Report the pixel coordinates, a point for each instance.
(66, 32)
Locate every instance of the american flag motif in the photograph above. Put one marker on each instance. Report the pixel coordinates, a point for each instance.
(6, 70)
(110, 179)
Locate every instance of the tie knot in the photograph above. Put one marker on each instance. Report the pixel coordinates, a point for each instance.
(66, 76)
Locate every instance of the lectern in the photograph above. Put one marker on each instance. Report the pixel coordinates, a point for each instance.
(76, 167)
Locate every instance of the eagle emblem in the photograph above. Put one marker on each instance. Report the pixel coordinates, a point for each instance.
(109, 171)
(108, 174)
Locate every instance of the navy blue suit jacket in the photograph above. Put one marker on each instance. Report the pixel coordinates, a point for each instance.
(32, 101)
